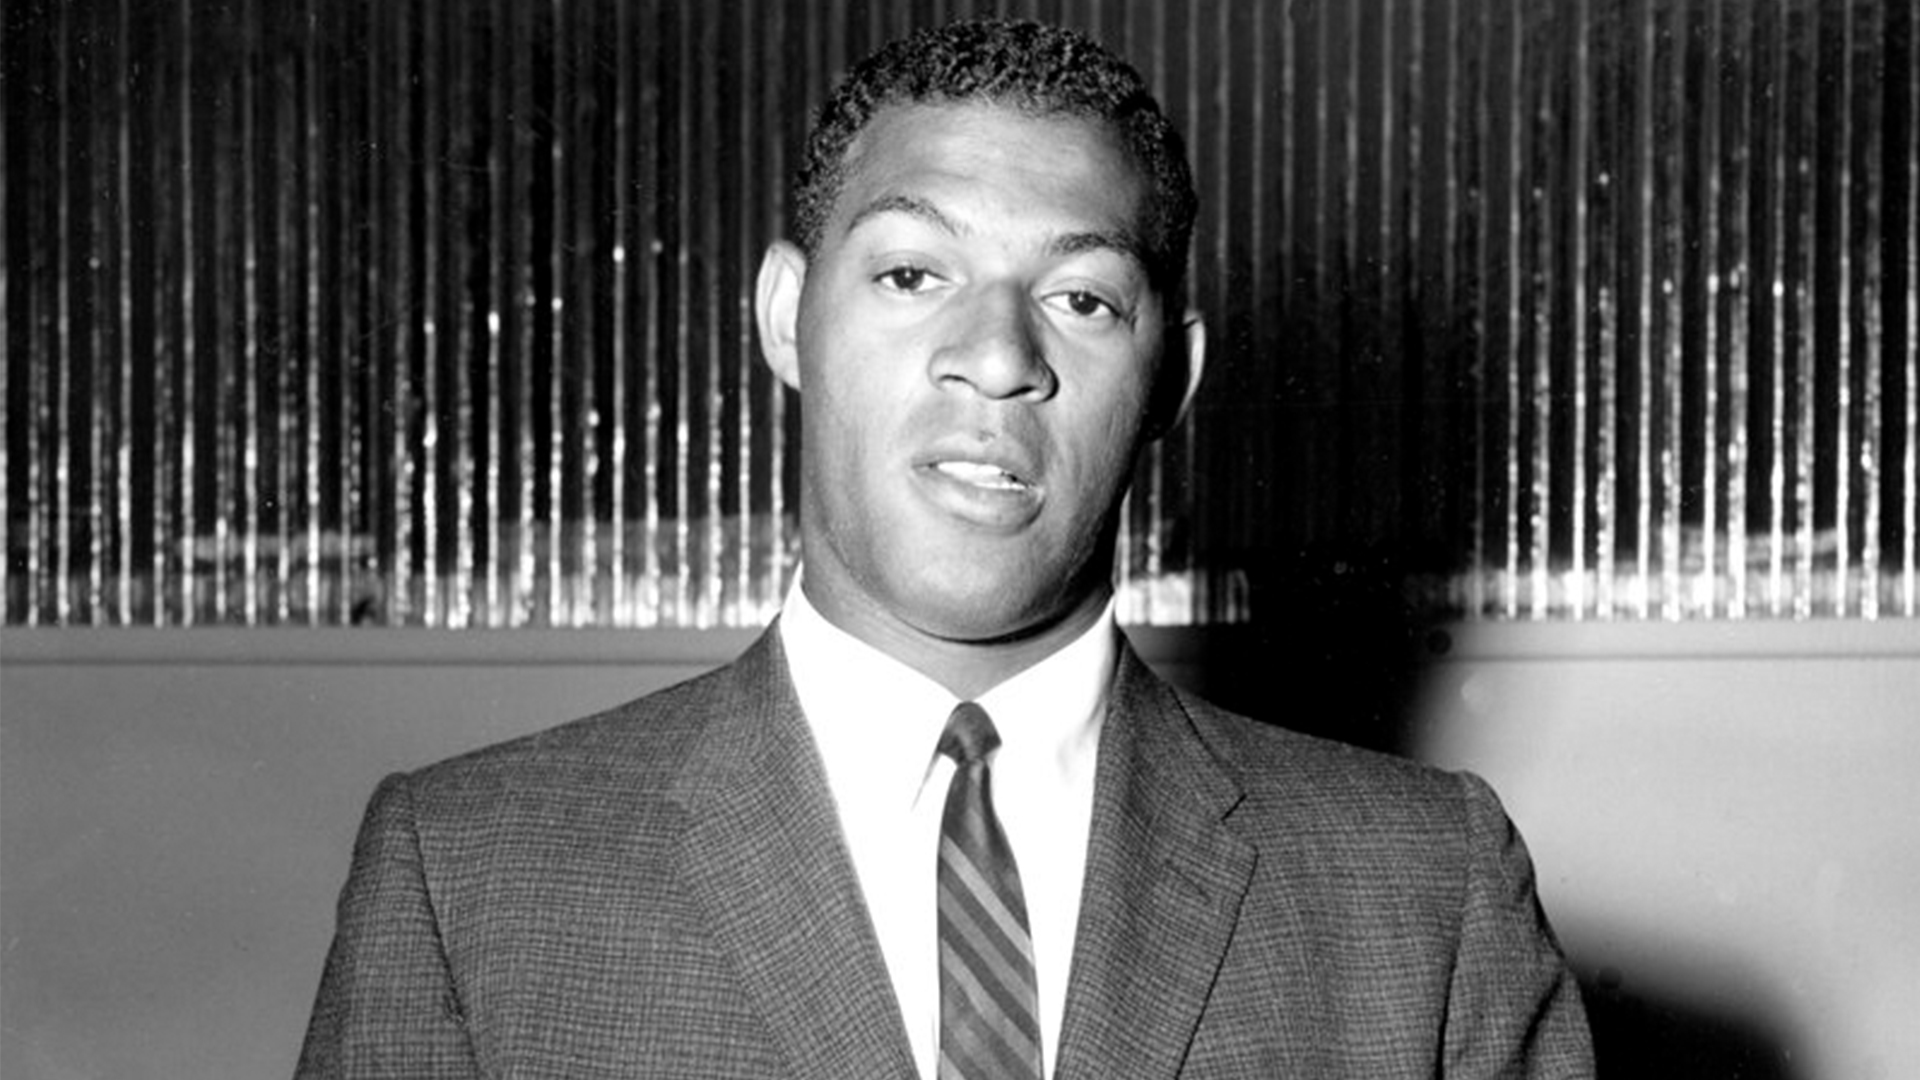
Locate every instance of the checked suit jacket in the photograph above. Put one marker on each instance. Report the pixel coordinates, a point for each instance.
(662, 891)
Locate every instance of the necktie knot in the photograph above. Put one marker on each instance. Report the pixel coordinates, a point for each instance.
(969, 736)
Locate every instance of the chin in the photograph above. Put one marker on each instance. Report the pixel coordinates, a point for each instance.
(984, 613)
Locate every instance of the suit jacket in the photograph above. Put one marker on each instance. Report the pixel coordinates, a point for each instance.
(662, 890)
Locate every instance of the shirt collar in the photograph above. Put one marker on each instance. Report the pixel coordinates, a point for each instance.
(877, 721)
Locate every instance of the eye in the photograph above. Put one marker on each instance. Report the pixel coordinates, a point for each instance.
(1084, 304)
(907, 279)
(1087, 304)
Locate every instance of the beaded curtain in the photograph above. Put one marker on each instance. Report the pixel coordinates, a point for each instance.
(424, 312)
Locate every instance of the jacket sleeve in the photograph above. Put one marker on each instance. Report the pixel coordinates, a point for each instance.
(387, 1006)
(1514, 1009)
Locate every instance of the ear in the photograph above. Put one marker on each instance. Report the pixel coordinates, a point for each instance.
(1186, 361)
(776, 306)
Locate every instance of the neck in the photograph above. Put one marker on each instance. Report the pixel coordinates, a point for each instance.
(967, 668)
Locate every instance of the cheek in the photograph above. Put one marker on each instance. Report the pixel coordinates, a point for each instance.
(1121, 420)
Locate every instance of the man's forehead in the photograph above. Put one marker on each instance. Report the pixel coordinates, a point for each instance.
(1061, 243)
(923, 161)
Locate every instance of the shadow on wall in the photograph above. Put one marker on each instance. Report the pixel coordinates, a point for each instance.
(1346, 646)
(1352, 656)
(1647, 1034)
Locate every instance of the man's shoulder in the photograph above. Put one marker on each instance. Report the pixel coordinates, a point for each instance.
(641, 744)
(1297, 778)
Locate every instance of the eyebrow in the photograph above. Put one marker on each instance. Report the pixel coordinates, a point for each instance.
(1124, 242)
(908, 205)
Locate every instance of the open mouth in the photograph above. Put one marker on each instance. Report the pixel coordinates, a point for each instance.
(984, 494)
(982, 475)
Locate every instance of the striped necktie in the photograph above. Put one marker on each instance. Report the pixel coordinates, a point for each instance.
(989, 1002)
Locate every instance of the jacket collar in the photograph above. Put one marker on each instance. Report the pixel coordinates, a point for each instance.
(763, 855)
(1165, 880)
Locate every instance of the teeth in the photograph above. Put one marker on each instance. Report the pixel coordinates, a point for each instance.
(974, 472)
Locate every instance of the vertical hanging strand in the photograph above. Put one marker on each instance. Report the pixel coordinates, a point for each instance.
(615, 408)
(249, 494)
(1540, 76)
(1742, 277)
(585, 281)
(745, 609)
(368, 471)
(1647, 241)
(556, 526)
(280, 89)
(464, 260)
(1512, 238)
(312, 192)
(160, 176)
(348, 298)
(681, 150)
(653, 167)
(1910, 465)
(372, 464)
(490, 386)
(221, 339)
(494, 389)
(570, 373)
(1842, 598)
(1478, 296)
(1804, 150)
(1670, 130)
(393, 465)
(518, 259)
(407, 303)
(187, 402)
(1453, 299)
(33, 443)
(1778, 155)
(592, 211)
(430, 107)
(1608, 104)
(94, 422)
(710, 166)
(333, 309)
(16, 604)
(101, 427)
(123, 75)
(16, 601)
(1579, 597)
(1704, 596)
(60, 428)
(1872, 49)
(38, 441)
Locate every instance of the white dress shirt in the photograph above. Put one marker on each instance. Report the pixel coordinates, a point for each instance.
(877, 723)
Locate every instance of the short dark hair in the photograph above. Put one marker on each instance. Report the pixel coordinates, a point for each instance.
(1038, 69)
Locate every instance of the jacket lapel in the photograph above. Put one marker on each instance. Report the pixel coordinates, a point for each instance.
(764, 855)
(1164, 883)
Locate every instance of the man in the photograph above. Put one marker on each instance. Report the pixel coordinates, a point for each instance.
(940, 820)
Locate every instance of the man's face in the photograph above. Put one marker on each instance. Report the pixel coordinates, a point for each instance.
(976, 344)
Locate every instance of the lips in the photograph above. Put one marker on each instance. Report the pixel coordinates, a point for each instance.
(981, 474)
(979, 488)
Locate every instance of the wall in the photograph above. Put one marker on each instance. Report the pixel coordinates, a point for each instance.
(1726, 826)
(1722, 816)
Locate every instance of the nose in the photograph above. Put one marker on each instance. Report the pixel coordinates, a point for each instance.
(994, 346)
